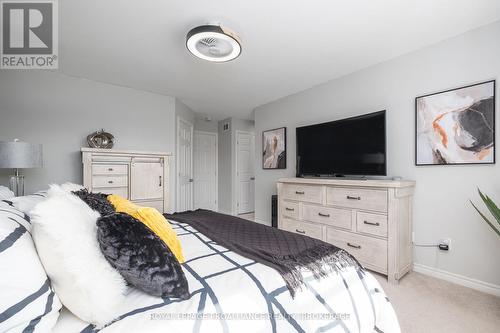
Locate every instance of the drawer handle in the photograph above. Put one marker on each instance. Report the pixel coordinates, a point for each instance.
(353, 198)
(324, 215)
(300, 231)
(354, 246)
(300, 192)
(110, 182)
(371, 223)
(110, 169)
(289, 209)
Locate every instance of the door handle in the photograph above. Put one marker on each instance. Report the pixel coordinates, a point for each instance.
(252, 178)
(191, 180)
(354, 246)
(160, 182)
(371, 223)
(353, 198)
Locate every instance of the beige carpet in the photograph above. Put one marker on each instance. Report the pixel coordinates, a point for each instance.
(426, 305)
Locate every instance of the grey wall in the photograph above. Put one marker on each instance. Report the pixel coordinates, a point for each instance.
(441, 207)
(225, 187)
(60, 111)
(201, 124)
(183, 111)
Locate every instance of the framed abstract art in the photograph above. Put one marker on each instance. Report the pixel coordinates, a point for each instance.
(456, 126)
(274, 149)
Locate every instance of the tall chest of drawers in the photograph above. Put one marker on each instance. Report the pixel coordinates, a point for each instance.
(371, 219)
(142, 177)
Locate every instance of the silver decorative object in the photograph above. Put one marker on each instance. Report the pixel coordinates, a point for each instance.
(19, 155)
(101, 139)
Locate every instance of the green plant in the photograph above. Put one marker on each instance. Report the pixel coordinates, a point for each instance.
(492, 207)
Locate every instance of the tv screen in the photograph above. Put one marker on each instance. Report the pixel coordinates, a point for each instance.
(352, 146)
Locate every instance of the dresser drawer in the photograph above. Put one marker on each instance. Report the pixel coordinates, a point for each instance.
(109, 169)
(371, 252)
(303, 228)
(306, 193)
(357, 198)
(372, 224)
(341, 218)
(121, 191)
(290, 209)
(109, 181)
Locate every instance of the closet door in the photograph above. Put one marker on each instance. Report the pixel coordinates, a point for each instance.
(146, 181)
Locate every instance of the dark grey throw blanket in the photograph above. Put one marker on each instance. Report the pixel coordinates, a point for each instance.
(284, 251)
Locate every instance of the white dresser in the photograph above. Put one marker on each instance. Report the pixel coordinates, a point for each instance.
(142, 177)
(371, 219)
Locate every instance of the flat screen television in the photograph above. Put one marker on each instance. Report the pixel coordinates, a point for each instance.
(352, 146)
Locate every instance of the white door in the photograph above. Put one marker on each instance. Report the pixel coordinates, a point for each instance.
(205, 170)
(184, 165)
(245, 179)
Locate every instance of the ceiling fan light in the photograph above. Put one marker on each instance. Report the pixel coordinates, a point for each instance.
(213, 43)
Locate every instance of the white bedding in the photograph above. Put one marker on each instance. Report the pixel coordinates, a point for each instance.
(230, 293)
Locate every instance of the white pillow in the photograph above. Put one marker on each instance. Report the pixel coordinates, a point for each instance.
(5, 193)
(26, 203)
(27, 301)
(65, 235)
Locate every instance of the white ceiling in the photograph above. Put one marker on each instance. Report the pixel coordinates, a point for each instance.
(288, 45)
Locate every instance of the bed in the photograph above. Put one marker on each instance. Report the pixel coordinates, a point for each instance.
(231, 293)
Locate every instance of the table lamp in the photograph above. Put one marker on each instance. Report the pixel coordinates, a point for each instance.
(19, 155)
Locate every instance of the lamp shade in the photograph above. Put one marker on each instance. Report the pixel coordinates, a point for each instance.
(20, 155)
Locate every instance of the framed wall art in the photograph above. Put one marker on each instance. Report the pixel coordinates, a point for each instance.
(456, 126)
(274, 149)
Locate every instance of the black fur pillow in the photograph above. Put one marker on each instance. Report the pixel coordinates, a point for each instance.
(96, 201)
(140, 256)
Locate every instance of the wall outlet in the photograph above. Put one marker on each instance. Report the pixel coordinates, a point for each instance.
(445, 241)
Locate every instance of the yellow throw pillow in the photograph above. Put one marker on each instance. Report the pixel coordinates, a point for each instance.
(153, 219)
(122, 205)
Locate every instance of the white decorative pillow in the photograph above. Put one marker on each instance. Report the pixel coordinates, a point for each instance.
(27, 301)
(26, 203)
(5, 193)
(65, 235)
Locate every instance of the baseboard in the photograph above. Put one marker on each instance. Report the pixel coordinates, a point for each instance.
(479, 285)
